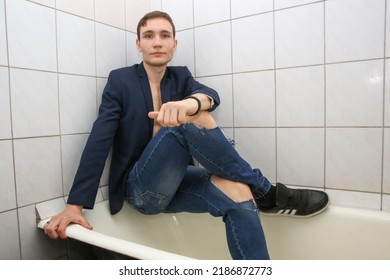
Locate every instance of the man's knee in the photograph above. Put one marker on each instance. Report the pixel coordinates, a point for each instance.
(237, 191)
(205, 120)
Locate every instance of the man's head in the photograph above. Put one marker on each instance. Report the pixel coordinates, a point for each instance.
(156, 39)
(152, 15)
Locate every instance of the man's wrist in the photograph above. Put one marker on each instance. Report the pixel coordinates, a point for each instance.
(198, 102)
(206, 101)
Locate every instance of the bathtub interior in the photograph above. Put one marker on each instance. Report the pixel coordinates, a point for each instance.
(198, 236)
(338, 233)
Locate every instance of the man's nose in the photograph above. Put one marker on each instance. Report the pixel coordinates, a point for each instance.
(157, 41)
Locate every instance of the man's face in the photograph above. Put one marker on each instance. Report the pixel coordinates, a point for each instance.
(157, 43)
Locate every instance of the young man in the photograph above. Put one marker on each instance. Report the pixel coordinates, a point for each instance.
(156, 119)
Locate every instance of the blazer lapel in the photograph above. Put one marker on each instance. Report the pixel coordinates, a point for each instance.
(165, 87)
(147, 93)
(143, 79)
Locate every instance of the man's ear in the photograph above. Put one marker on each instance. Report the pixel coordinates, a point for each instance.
(137, 42)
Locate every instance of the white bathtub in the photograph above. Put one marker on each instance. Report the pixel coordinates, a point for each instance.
(338, 233)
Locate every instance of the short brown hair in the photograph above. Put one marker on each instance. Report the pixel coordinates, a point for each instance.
(151, 15)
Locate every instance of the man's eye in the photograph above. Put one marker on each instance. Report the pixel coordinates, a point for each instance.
(148, 36)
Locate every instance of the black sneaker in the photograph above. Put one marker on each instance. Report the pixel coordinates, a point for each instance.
(296, 202)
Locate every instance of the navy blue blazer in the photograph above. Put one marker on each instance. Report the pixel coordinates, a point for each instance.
(123, 125)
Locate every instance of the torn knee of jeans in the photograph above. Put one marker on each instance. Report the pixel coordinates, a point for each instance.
(234, 199)
(230, 140)
(203, 130)
(249, 205)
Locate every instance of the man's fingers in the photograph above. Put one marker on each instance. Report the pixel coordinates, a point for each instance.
(153, 114)
(51, 229)
(169, 118)
(56, 227)
(85, 224)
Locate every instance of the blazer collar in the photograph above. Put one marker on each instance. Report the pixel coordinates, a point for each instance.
(164, 86)
(147, 93)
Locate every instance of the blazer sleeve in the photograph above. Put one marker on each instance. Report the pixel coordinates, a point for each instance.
(193, 86)
(97, 148)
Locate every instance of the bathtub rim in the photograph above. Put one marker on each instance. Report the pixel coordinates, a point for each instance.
(117, 245)
(145, 252)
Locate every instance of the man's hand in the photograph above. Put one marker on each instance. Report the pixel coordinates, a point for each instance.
(176, 113)
(55, 229)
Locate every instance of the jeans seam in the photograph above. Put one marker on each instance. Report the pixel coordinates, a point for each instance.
(235, 237)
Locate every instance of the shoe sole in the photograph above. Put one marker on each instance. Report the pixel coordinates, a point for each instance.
(296, 216)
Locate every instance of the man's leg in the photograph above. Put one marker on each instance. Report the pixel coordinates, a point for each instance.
(158, 173)
(160, 181)
(202, 192)
(155, 177)
(210, 147)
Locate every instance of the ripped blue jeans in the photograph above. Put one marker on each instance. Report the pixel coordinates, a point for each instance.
(162, 181)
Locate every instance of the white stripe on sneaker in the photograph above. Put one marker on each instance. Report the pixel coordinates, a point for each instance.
(287, 211)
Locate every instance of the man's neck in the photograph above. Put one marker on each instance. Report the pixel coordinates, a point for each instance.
(155, 73)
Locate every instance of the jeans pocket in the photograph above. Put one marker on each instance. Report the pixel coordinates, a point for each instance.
(148, 202)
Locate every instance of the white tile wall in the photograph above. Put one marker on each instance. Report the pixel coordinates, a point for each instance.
(31, 41)
(224, 86)
(280, 4)
(300, 156)
(76, 39)
(83, 8)
(37, 169)
(213, 49)
(211, 11)
(71, 149)
(115, 15)
(49, 3)
(387, 46)
(299, 36)
(355, 199)
(77, 103)
(386, 163)
(354, 29)
(110, 49)
(155, 5)
(34, 104)
(5, 111)
(133, 55)
(9, 241)
(101, 83)
(8, 195)
(354, 94)
(300, 95)
(253, 51)
(258, 147)
(329, 115)
(34, 243)
(135, 9)
(185, 53)
(386, 203)
(387, 93)
(181, 12)
(353, 158)
(254, 94)
(3, 38)
(241, 8)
